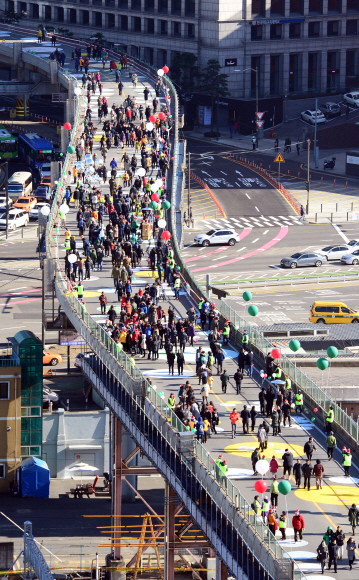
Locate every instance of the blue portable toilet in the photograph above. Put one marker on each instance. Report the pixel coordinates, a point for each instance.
(34, 478)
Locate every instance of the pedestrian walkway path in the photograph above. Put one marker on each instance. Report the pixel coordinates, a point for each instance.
(319, 508)
(252, 222)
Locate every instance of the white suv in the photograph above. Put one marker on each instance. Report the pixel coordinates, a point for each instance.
(17, 218)
(224, 236)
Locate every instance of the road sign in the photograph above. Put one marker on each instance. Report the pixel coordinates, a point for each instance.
(279, 159)
(259, 115)
(259, 124)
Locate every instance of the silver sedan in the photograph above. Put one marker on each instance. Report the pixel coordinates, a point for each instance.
(351, 258)
(299, 260)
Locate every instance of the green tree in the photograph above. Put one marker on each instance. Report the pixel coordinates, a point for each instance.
(214, 83)
(11, 17)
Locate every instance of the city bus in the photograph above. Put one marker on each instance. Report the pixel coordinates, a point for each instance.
(35, 151)
(8, 144)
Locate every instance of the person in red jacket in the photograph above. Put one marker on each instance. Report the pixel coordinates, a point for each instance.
(298, 526)
(103, 301)
(234, 417)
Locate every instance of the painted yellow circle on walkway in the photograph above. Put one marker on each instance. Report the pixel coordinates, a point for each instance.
(245, 449)
(334, 495)
(148, 274)
(231, 403)
(91, 294)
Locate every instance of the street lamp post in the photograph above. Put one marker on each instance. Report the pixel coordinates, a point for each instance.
(256, 71)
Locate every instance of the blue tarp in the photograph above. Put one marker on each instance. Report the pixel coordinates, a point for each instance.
(34, 478)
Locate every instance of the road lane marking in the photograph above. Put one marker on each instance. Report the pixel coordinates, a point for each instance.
(256, 240)
(248, 196)
(266, 232)
(256, 208)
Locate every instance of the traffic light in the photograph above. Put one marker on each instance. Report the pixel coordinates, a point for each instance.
(58, 156)
(307, 185)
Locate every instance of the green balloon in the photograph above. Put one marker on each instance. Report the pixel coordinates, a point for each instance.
(294, 345)
(54, 239)
(193, 430)
(166, 205)
(71, 149)
(253, 310)
(332, 351)
(322, 363)
(153, 204)
(313, 419)
(56, 229)
(187, 427)
(247, 295)
(284, 487)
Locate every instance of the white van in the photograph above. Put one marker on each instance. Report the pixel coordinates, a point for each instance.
(17, 218)
(20, 183)
(45, 170)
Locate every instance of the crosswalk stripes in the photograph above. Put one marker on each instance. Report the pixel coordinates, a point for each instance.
(253, 222)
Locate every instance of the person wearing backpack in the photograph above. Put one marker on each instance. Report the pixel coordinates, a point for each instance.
(200, 429)
(254, 458)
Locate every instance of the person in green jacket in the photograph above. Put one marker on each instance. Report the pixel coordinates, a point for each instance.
(331, 445)
(329, 535)
(274, 492)
(224, 380)
(256, 505)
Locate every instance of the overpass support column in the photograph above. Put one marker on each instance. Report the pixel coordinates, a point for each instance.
(115, 560)
(221, 570)
(26, 105)
(170, 498)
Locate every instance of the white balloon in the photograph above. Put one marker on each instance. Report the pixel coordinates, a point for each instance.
(262, 373)
(149, 126)
(161, 223)
(158, 183)
(154, 188)
(45, 210)
(77, 91)
(141, 172)
(72, 258)
(262, 466)
(64, 208)
(160, 72)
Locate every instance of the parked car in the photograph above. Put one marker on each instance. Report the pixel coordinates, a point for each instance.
(49, 395)
(25, 202)
(51, 358)
(42, 192)
(224, 236)
(310, 116)
(330, 110)
(351, 258)
(333, 252)
(16, 219)
(301, 259)
(34, 212)
(3, 202)
(352, 99)
(80, 357)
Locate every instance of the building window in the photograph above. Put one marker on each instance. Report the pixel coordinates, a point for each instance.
(5, 390)
(21, 8)
(258, 8)
(162, 58)
(148, 53)
(295, 30)
(352, 27)
(137, 24)
(163, 28)
(277, 7)
(72, 16)
(2, 470)
(294, 74)
(84, 1)
(315, 7)
(190, 8)
(275, 31)
(97, 21)
(124, 22)
(96, 2)
(123, 4)
(176, 7)
(150, 25)
(352, 5)
(136, 4)
(350, 64)
(163, 6)
(176, 29)
(47, 13)
(110, 21)
(110, 3)
(34, 10)
(275, 74)
(149, 5)
(314, 29)
(256, 32)
(191, 30)
(296, 7)
(59, 14)
(85, 17)
(334, 6)
(333, 28)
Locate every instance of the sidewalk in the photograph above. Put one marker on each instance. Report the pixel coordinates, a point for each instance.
(338, 492)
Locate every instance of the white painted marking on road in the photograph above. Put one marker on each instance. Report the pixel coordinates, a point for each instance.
(274, 266)
(240, 249)
(223, 173)
(248, 196)
(224, 256)
(256, 208)
(256, 240)
(266, 232)
(342, 234)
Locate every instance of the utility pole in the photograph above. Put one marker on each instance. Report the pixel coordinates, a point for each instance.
(217, 107)
(7, 196)
(315, 136)
(308, 176)
(189, 184)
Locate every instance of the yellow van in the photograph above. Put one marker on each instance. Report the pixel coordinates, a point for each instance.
(328, 312)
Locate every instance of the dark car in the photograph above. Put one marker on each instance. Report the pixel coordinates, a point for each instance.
(330, 110)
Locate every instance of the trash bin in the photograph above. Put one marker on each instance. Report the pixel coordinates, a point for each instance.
(271, 133)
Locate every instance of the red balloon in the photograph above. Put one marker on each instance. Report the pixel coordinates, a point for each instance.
(165, 69)
(155, 197)
(260, 486)
(161, 115)
(152, 119)
(315, 410)
(67, 126)
(265, 375)
(276, 353)
(166, 235)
